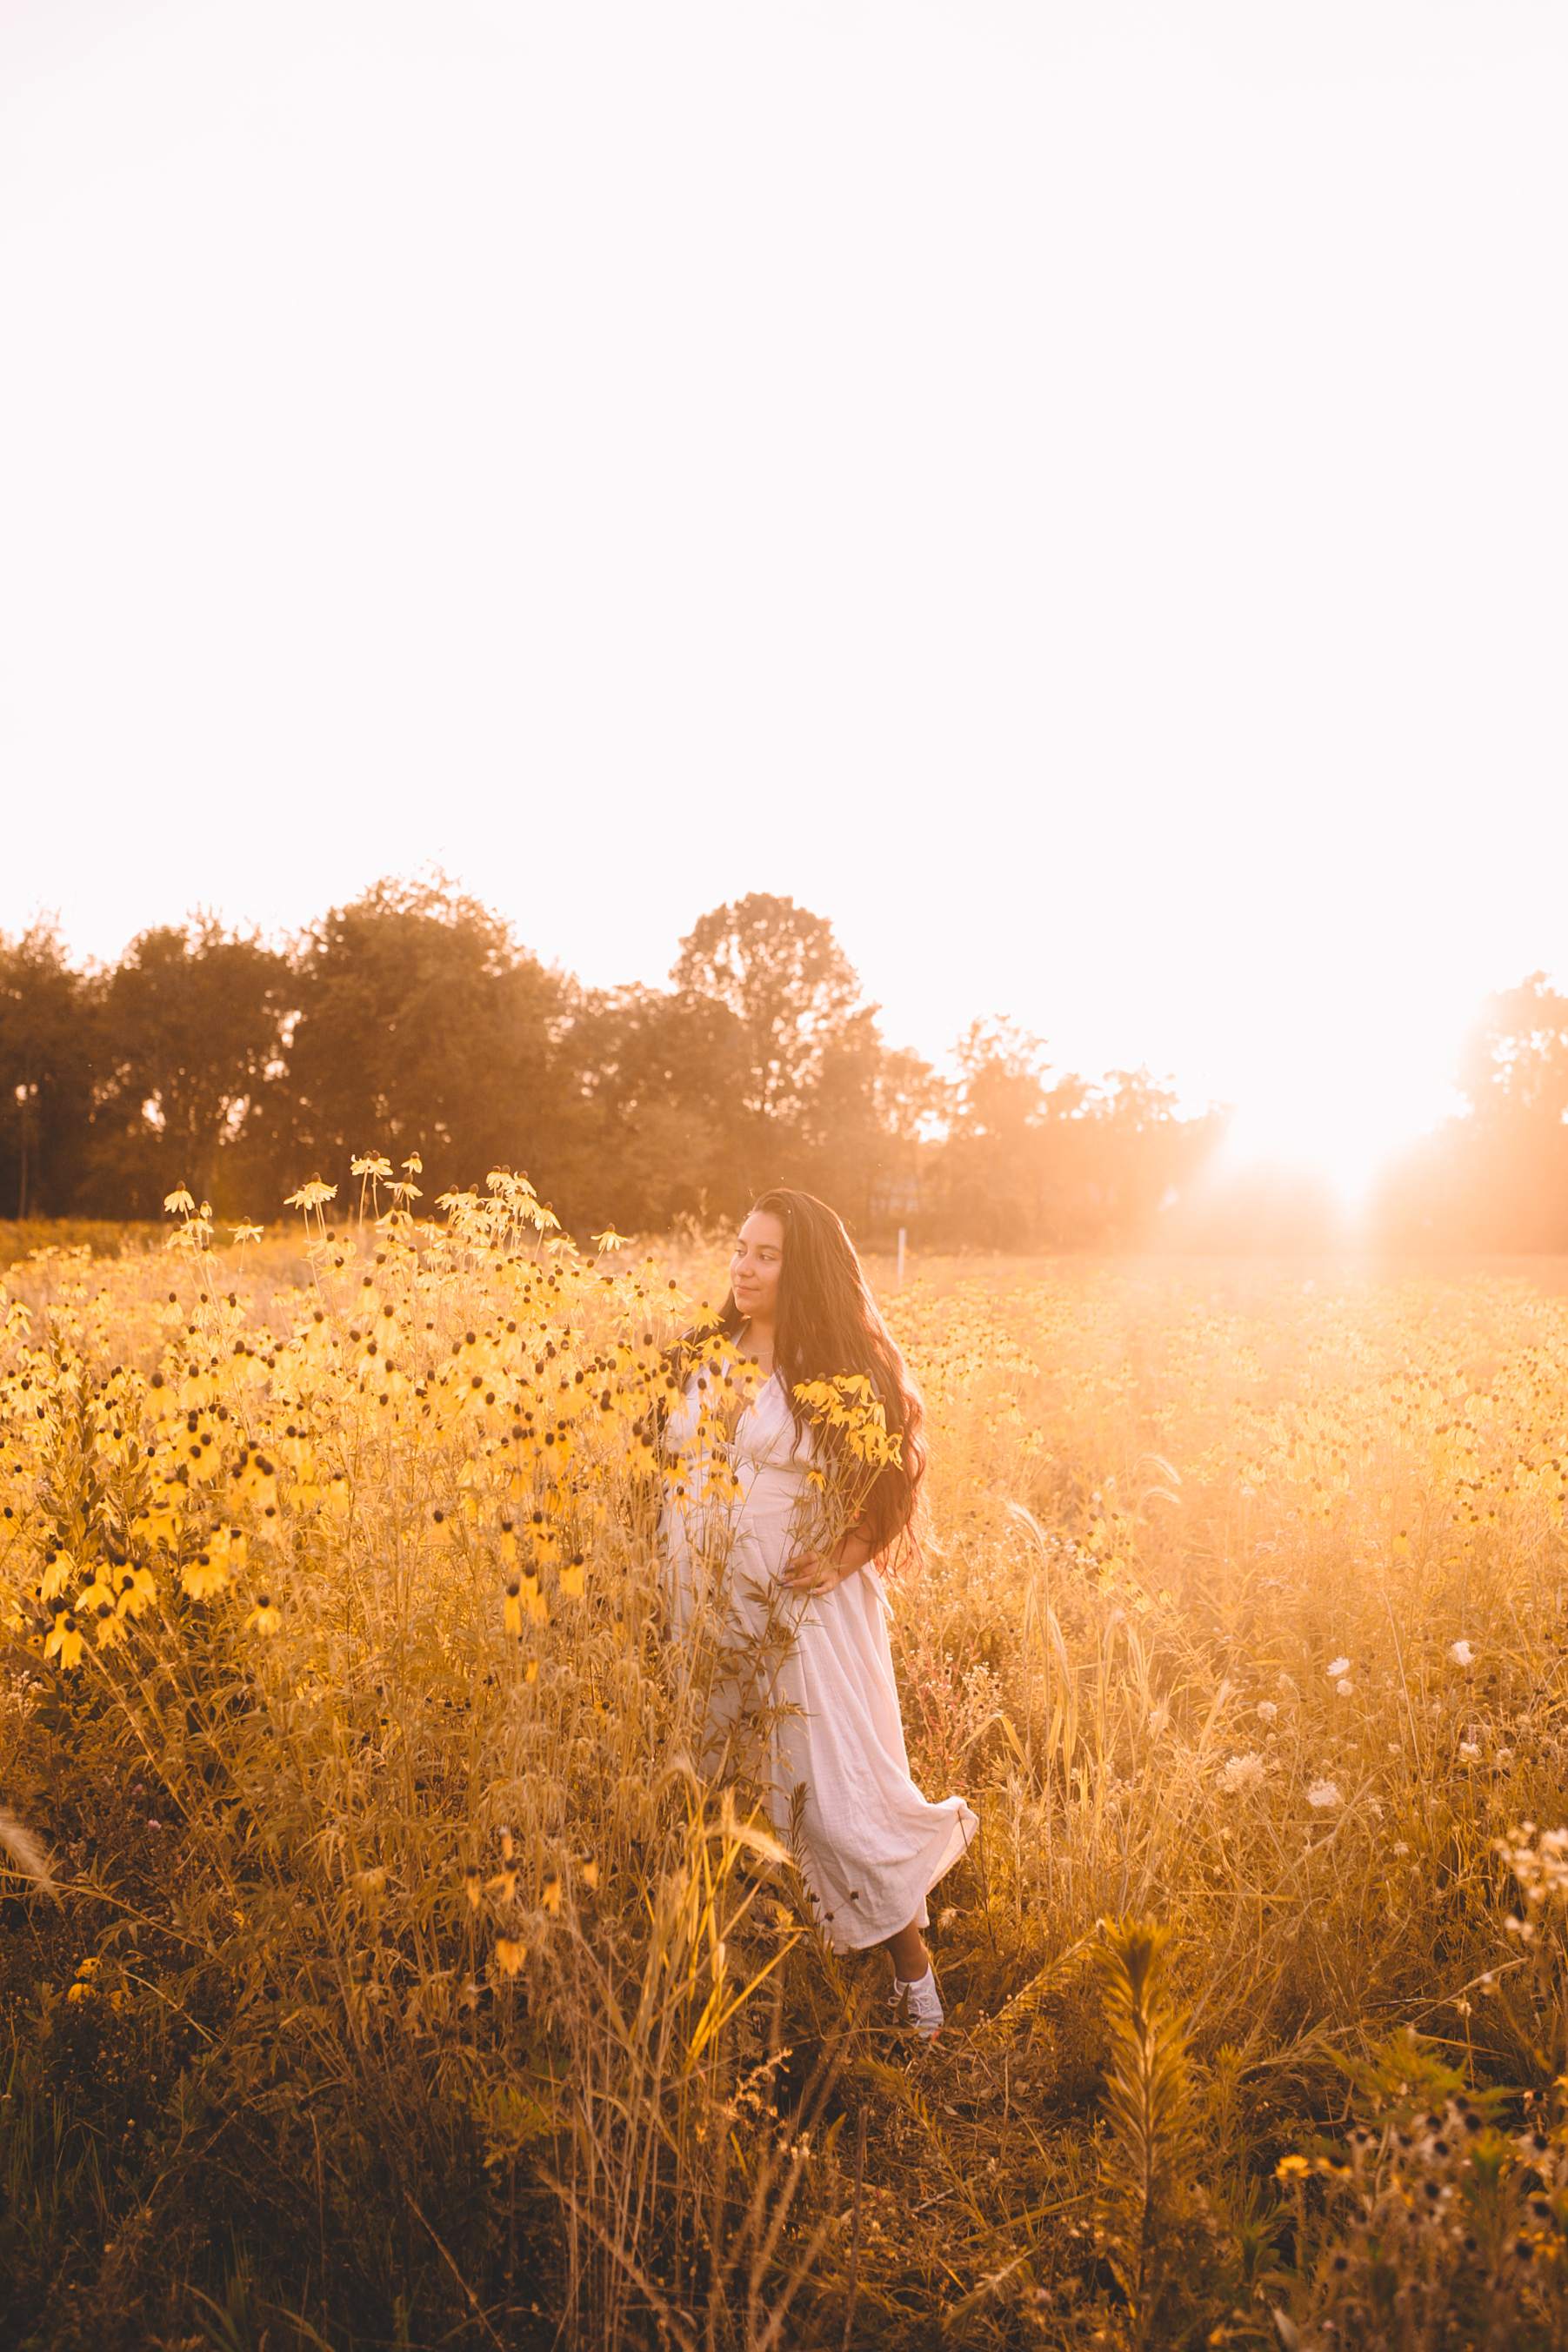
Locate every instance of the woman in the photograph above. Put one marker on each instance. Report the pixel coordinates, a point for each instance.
(750, 1486)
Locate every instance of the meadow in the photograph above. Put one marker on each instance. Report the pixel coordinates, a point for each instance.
(383, 1971)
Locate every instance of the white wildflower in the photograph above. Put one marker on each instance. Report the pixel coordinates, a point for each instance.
(1241, 1773)
(1340, 1666)
(1462, 1653)
(1344, 1687)
(1321, 1794)
(1470, 1749)
(1267, 1710)
(1400, 1847)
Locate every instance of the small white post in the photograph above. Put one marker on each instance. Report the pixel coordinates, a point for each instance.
(901, 1253)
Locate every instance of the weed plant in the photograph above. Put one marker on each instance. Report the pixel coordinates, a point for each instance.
(45, 1238)
(403, 1973)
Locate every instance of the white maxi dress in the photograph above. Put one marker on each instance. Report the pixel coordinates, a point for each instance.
(871, 1845)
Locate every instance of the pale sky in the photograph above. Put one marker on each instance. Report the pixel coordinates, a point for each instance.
(1078, 494)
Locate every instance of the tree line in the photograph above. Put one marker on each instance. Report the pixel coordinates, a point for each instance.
(1494, 1176)
(412, 1022)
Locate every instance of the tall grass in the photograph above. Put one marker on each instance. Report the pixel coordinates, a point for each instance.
(413, 1978)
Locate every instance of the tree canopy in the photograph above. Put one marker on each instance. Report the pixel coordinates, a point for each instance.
(412, 1022)
(184, 1040)
(1495, 1176)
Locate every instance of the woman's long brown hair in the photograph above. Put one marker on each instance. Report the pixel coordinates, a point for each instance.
(827, 1324)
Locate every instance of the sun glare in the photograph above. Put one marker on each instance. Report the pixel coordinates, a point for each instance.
(1339, 1092)
(1342, 1127)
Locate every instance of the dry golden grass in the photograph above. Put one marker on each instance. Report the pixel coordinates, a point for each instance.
(406, 1982)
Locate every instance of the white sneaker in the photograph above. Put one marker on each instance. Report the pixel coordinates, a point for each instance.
(925, 2011)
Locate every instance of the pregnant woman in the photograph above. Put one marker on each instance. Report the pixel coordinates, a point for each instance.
(770, 1432)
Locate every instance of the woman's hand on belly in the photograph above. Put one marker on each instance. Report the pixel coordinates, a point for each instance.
(814, 1571)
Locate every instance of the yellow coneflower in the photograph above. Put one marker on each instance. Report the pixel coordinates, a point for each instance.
(65, 1640)
(257, 1484)
(509, 1954)
(59, 1569)
(552, 1892)
(511, 1608)
(264, 1617)
(109, 1625)
(471, 1885)
(206, 1574)
(505, 1836)
(138, 1591)
(314, 1195)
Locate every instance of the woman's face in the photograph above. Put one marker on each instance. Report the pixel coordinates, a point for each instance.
(754, 1268)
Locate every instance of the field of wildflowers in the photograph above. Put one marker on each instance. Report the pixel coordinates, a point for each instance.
(378, 1967)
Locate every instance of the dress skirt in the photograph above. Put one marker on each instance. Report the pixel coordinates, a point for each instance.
(869, 1844)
